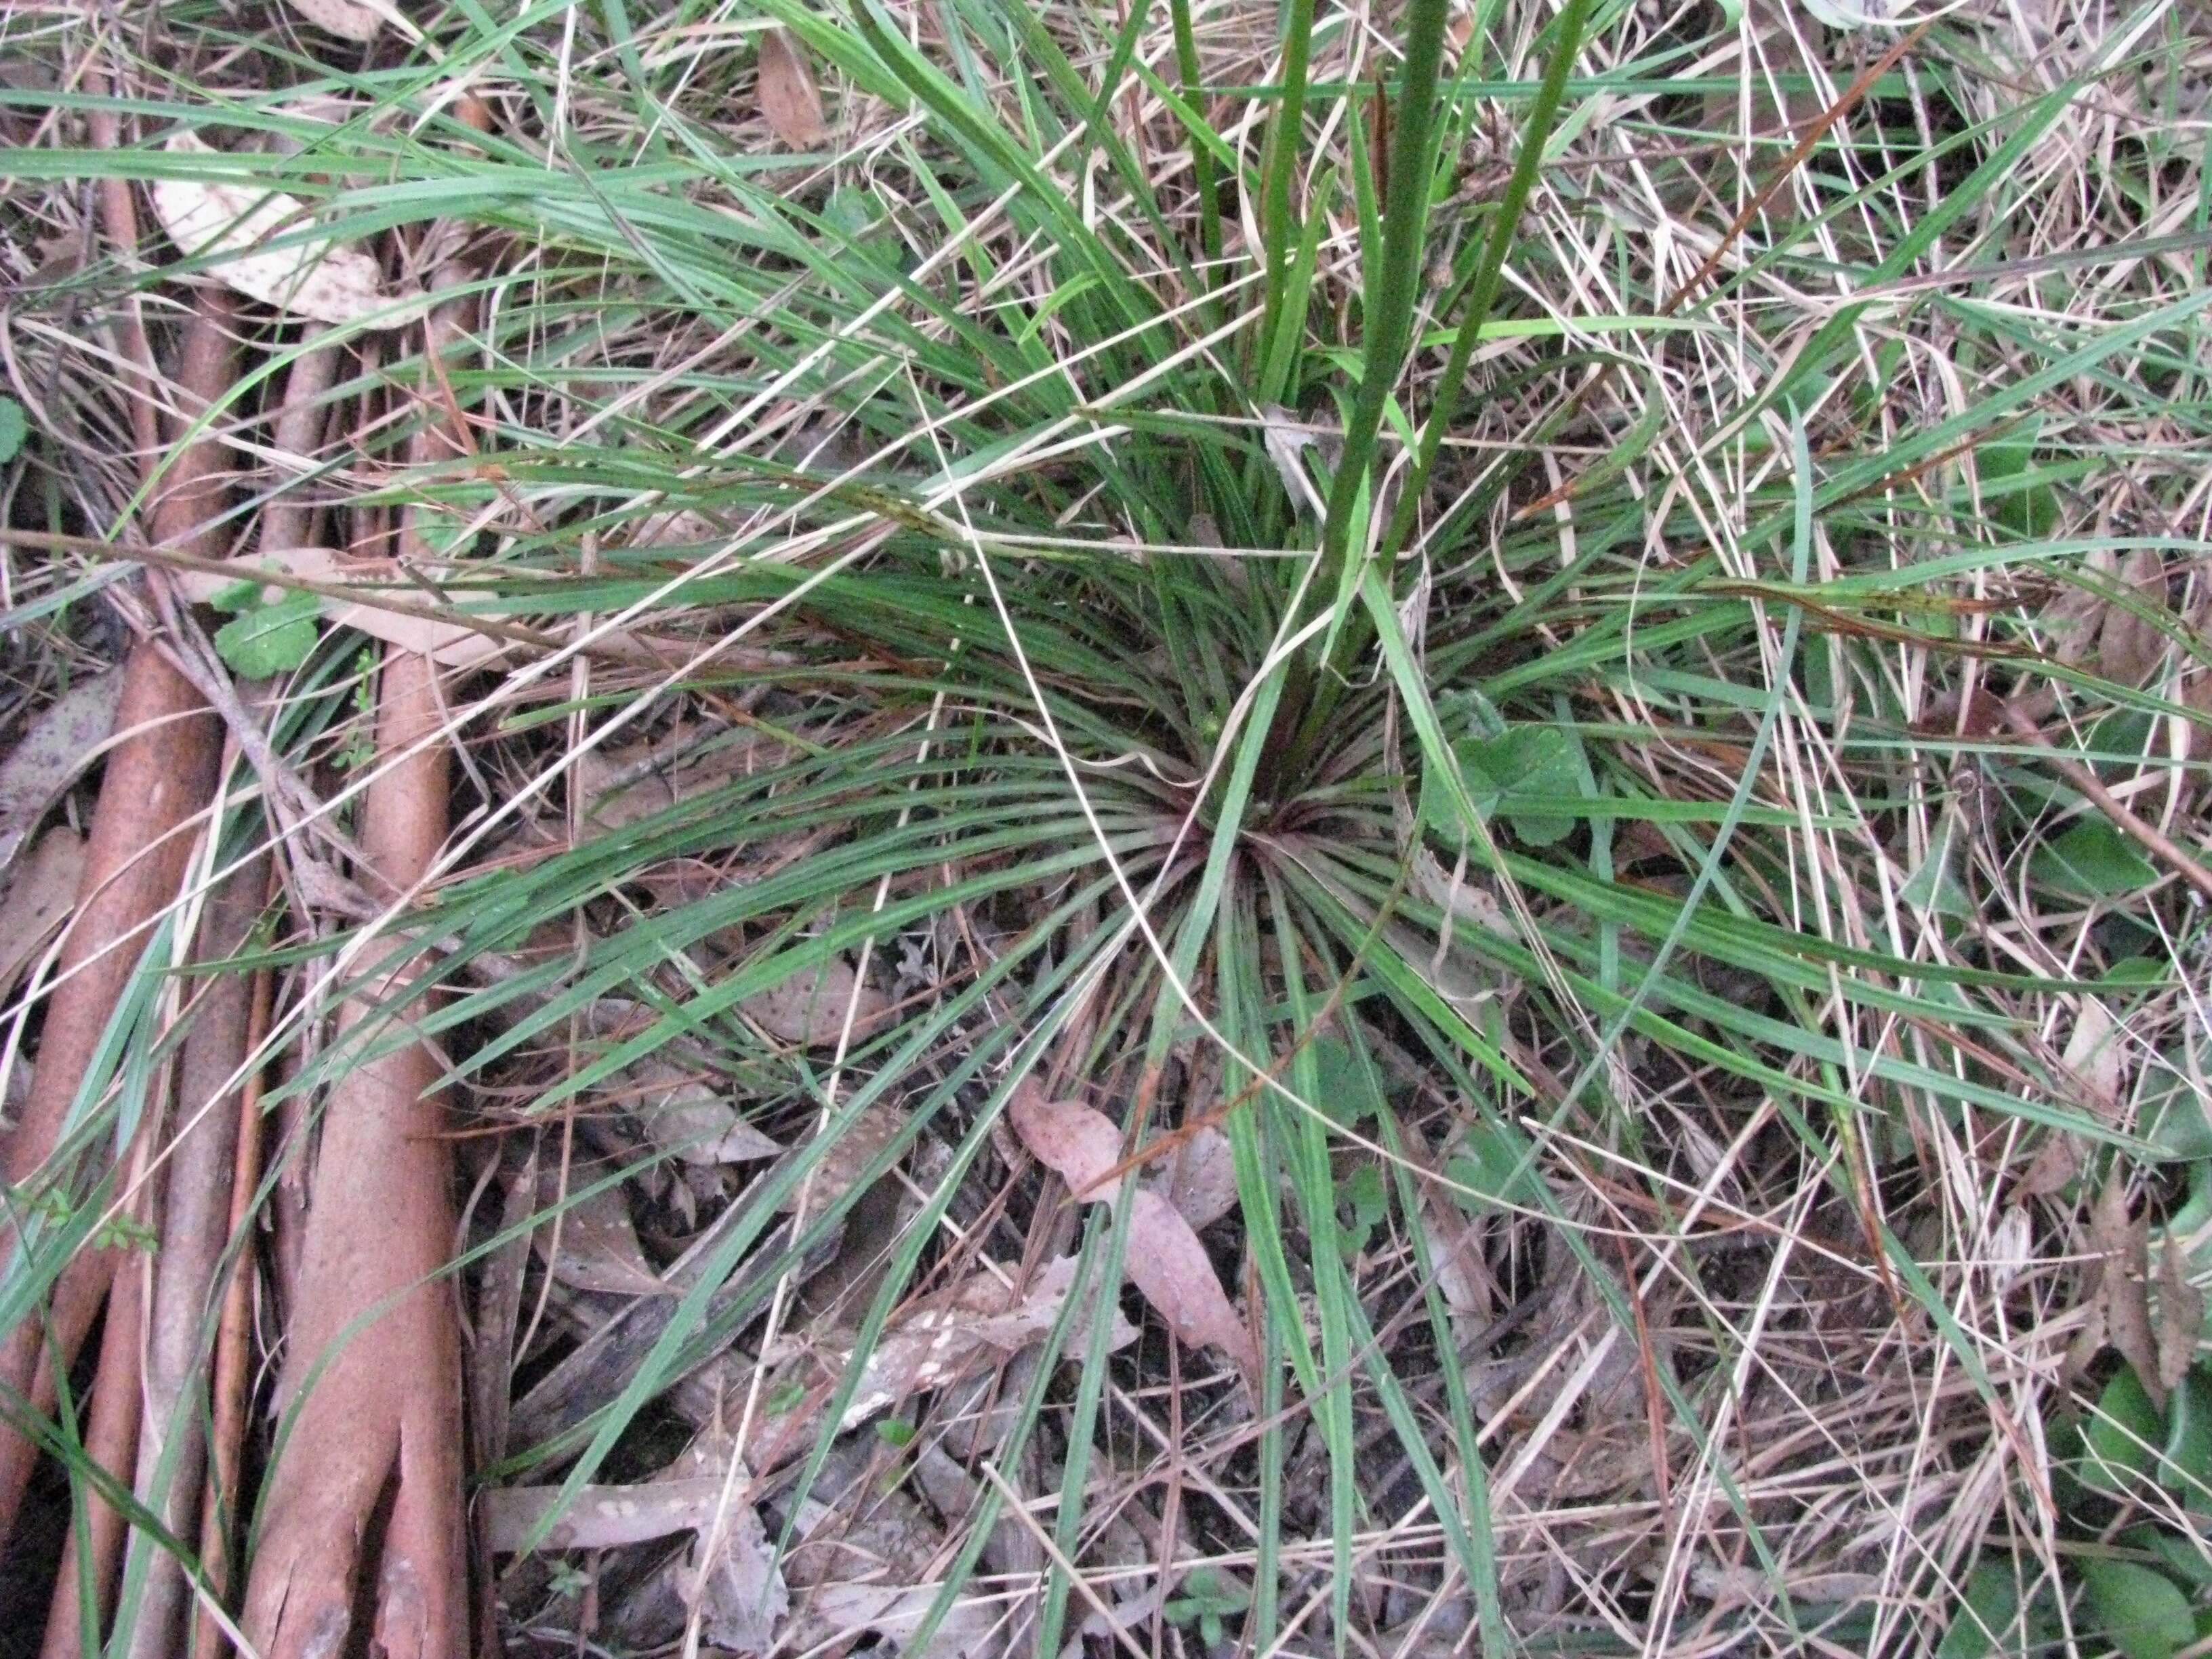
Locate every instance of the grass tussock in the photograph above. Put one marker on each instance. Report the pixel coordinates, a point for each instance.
(1192, 827)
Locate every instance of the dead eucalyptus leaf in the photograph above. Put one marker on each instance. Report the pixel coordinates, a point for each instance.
(593, 1244)
(1201, 1179)
(2129, 645)
(689, 1118)
(1165, 1262)
(2124, 1246)
(40, 899)
(2180, 1315)
(346, 19)
(319, 280)
(61, 743)
(789, 97)
(602, 1517)
(810, 1008)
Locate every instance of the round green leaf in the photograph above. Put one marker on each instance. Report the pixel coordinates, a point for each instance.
(2094, 860)
(2144, 1614)
(2120, 1440)
(15, 427)
(2185, 1462)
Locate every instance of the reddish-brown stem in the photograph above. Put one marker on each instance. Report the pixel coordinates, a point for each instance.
(158, 781)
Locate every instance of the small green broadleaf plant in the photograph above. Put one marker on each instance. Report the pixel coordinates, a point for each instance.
(15, 427)
(1524, 772)
(1207, 1599)
(265, 636)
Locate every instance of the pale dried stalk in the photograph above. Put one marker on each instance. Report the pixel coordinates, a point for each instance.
(157, 783)
(374, 1364)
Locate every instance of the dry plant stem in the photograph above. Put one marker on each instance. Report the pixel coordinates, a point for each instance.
(227, 1434)
(111, 1439)
(195, 1224)
(371, 1376)
(157, 780)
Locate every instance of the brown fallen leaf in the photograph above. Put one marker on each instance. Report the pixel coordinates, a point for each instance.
(346, 19)
(789, 97)
(1201, 1178)
(1164, 1260)
(2180, 1315)
(810, 1008)
(39, 898)
(319, 280)
(688, 1119)
(593, 1244)
(2129, 645)
(2124, 1245)
(60, 743)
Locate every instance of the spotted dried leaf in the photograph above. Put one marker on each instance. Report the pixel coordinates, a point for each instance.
(810, 1008)
(789, 96)
(233, 223)
(60, 743)
(591, 1243)
(1164, 1260)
